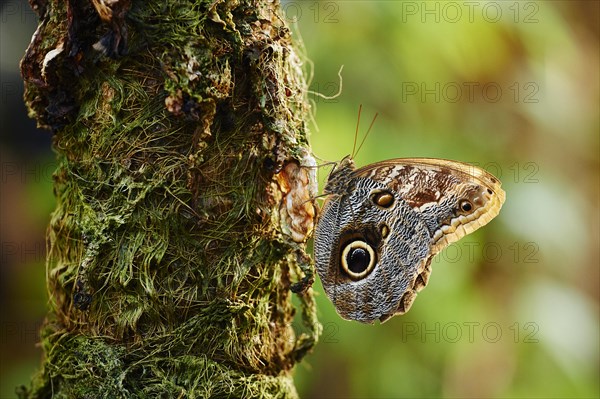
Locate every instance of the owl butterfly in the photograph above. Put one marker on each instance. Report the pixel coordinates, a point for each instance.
(381, 225)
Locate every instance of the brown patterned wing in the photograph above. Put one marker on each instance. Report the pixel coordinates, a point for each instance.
(425, 183)
(382, 224)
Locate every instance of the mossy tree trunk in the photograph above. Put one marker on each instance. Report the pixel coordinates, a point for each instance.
(182, 209)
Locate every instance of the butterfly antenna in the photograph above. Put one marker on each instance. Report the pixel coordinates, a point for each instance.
(366, 134)
(313, 198)
(356, 133)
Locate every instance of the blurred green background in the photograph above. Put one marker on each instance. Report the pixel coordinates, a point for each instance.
(511, 310)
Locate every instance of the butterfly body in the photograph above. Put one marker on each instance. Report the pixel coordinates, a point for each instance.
(381, 225)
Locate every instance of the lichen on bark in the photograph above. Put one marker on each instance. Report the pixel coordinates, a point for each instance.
(172, 248)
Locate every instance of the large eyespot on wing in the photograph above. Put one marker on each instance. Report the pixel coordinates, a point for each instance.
(357, 259)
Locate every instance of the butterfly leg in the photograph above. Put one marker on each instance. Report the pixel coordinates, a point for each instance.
(307, 267)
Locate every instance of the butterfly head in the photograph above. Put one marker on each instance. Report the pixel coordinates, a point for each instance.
(338, 179)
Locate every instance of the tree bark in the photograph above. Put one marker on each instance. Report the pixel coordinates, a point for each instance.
(183, 207)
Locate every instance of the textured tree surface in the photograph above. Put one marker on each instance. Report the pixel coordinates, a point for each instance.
(182, 210)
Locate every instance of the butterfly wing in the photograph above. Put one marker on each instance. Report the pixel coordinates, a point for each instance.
(382, 224)
(433, 186)
(367, 256)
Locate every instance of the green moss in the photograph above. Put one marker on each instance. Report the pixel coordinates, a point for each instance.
(168, 273)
